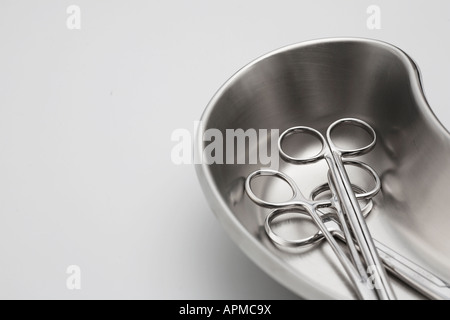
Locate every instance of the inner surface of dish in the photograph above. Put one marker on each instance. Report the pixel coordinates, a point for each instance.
(313, 84)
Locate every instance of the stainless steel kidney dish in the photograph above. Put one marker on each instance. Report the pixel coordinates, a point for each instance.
(313, 84)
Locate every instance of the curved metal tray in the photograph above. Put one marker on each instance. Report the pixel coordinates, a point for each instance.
(313, 84)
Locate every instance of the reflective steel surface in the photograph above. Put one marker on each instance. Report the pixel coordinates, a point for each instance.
(313, 84)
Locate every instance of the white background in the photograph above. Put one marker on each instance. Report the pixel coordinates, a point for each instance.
(86, 117)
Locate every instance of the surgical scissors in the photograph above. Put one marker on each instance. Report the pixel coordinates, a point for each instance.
(343, 199)
(347, 200)
(300, 203)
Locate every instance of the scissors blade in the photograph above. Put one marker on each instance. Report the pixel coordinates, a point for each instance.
(345, 229)
(422, 280)
(404, 269)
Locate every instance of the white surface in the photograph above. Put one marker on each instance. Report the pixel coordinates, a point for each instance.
(86, 118)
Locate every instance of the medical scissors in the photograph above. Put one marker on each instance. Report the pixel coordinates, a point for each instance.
(339, 179)
(343, 197)
(300, 203)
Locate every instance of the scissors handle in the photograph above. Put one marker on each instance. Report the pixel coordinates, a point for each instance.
(328, 218)
(298, 131)
(352, 152)
(288, 243)
(328, 141)
(296, 193)
(360, 193)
